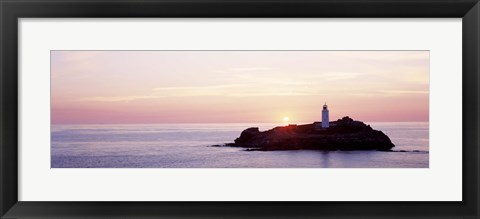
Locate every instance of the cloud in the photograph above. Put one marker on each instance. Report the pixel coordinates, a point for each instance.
(208, 87)
(238, 90)
(272, 93)
(404, 91)
(386, 93)
(249, 69)
(227, 90)
(116, 98)
(264, 86)
(194, 91)
(334, 76)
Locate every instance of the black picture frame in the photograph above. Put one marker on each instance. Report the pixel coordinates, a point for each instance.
(12, 10)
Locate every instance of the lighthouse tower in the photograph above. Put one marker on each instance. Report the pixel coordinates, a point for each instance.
(325, 121)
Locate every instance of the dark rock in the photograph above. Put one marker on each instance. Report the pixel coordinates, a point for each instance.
(343, 134)
(247, 135)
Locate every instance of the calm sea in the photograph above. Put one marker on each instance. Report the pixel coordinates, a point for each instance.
(189, 146)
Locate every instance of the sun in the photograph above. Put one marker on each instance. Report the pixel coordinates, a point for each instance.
(286, 119)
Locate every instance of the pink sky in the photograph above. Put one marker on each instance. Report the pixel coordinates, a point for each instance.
(238, 86)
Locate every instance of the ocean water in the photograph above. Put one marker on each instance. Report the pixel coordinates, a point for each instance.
(190, 146)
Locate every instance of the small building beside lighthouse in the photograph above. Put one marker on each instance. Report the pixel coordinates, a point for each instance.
(325, 118)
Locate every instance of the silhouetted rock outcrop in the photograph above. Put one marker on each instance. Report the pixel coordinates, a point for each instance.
(343, 134)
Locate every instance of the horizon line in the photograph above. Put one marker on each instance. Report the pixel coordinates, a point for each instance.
(285, 123)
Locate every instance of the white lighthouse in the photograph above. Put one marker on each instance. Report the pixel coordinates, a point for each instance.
(325, 121)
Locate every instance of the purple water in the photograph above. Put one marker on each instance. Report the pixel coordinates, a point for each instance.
(188, 146)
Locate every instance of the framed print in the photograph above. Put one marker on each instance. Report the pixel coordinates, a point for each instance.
(239, 109)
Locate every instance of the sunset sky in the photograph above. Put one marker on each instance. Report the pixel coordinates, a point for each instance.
(237, 86)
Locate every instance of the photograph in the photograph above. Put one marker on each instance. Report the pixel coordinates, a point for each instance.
(239, 108)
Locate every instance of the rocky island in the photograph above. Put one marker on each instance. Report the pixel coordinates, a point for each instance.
(343, 134)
